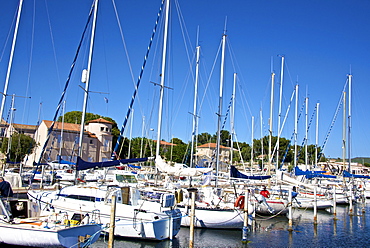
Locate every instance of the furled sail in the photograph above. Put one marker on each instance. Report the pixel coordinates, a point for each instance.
(235, 173)
(179, 169)
(311, 174)
(84, 165)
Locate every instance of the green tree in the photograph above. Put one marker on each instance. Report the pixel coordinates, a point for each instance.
(204, 138)
(21, 145)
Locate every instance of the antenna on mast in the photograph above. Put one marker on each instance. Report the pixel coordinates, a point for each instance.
(225, 25)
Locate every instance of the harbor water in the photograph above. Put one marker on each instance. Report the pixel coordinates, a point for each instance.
(345, 229)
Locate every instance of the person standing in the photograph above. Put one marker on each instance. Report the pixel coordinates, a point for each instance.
(5, 188)
(265, 192)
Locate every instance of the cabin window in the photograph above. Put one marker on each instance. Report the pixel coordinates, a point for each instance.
(126, 178)
(82, 197)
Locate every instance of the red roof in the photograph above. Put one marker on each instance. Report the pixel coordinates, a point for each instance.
(65, 126)
(165, 143)
(212, 145)
(101, 120)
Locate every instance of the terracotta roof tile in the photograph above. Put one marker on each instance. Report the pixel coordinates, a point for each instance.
(165, 143)
(212, 145)
(101, 120)
(66, 126)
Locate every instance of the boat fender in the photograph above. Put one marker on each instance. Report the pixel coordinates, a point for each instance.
(240, 202)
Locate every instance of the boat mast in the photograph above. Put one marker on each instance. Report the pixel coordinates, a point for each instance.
(270, 122)
(295, 125)
(220, 105)
(344, 125)
(160, 110)
(10, 60)
(252, 147)
(317, 132)
(195, 117)
(349, 120)
(262, 158)
(86, 79)
(232, 117)
(61, 132)
(306, 134)
(280, 106)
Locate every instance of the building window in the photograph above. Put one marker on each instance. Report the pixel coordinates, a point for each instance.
(102, 129)
(91, 141)
(106, 129)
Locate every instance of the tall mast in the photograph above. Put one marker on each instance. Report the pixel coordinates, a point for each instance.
(306, 133)
(344, 129)
(164, 52)
(280, 105)
(62, 131)
(220, 106)
(252, 142)
(317, 132)
(232, 118)
(270, 122)
(295, 125)
(261, 120)
(349, 120)
(195, 117)
(10, 59)
(86, 80)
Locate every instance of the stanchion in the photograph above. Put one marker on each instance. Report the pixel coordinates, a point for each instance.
(112, 222)
(363, 198)
(192, 215)
(290, 216)
(315, 207)
(335, 202)
(245, 224)
(350, 200)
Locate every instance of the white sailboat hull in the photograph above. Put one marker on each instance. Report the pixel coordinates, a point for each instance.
(141, 221)
(214, 218)
(36, 236)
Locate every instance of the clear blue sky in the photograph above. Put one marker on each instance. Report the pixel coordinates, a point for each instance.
(322, 42)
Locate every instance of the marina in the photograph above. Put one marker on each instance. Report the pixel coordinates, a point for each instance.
(77, 180)
(347, 231)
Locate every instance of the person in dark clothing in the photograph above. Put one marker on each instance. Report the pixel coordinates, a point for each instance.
(5, 188)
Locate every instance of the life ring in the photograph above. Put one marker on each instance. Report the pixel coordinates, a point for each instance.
(240, 202)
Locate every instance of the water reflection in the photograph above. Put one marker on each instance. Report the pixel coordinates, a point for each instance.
(330, 231)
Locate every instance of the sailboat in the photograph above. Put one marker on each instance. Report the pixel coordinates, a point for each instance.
(135, 217)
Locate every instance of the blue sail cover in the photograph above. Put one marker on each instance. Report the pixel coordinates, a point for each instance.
(237, 174)
(84, 165)
(61, 161)
(311, 174)
(347, 174)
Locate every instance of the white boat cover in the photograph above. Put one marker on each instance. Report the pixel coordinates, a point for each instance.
(179, 169)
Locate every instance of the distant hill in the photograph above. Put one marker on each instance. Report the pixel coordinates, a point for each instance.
(361, 160)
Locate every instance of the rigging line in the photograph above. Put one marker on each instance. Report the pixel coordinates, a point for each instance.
(283, 123)
(227, 111)
(138, 81)
(308, 128)
(53, 44)
(123, 41)
(210, 76)
(30, 63)
(8, 36)
(64, 91)
(291, 138)
(332, 123)
(185, 33)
